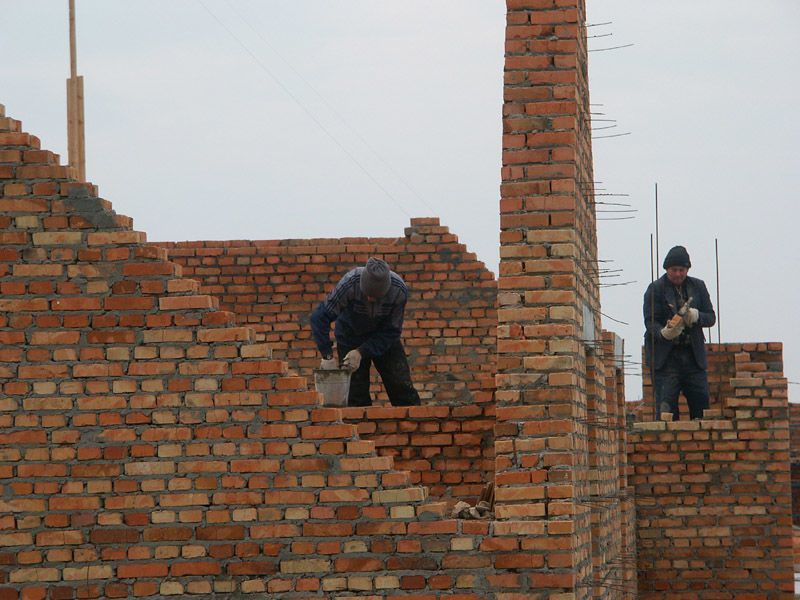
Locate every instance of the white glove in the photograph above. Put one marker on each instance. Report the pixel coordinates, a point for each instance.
(671, 332)
(352, 360)
(691, 317)
(328, 363)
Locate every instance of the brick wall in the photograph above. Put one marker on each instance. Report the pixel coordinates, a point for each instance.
(151, 445)
(551, 372)
(149, 448)
(714, 496)
(272, 286)
(721, 368)
(619, 534)
(794, 444)
(448, 449)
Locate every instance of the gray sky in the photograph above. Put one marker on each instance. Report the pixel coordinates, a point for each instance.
(245, 119)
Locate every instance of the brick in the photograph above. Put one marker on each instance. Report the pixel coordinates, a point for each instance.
(114, 536)
(182, 569)
(316, 432)
(262, 567)
(231, 334)
(255, 466)
(398, 496)
(142, 570)
(15, 539)
(305, 566)
(356, 565)
(115, 237)
(186, 302)
(88, 572)
(232, 532)
(158, 534)
(57, 238)
(32, 575)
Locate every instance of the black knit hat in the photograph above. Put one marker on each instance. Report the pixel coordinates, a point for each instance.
(376, 278)
(677, 257)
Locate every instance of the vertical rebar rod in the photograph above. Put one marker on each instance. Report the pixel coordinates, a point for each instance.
(652, 360)
(657, 252)
(654, 261)
(719, 327)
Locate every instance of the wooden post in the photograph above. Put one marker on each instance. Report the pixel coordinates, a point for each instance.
(75, 127)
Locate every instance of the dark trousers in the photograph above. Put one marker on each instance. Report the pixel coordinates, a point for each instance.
(681, 374)
(395, 374)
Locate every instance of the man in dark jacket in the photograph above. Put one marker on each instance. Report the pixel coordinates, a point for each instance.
(676, 308)
(368, 305)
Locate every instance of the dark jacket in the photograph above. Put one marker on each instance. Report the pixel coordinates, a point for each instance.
(372, 327)
(661, 303)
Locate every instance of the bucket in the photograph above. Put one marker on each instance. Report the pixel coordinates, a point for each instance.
(333, 384)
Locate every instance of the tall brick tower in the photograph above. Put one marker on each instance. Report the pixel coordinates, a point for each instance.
(548, 299)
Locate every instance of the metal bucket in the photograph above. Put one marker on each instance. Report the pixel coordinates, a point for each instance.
(334, 385)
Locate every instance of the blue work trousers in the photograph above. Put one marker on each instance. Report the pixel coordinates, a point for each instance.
(680, 373)
(394, 372)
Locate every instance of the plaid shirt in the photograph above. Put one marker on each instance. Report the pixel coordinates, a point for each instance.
(372, 327)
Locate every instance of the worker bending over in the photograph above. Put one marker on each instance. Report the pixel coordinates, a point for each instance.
(368, 305)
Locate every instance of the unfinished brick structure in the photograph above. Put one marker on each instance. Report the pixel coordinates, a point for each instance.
(152, 445)
(149, 448)
(449, 334)
(273, 285)
(722, 367)
(714, 496)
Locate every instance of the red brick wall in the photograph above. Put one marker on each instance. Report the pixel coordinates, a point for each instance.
(714, 495)
(450, 324)
(617, 510)
(448, 449)
(721, 368)
(794, 444)
(556, 473)
(148, 447)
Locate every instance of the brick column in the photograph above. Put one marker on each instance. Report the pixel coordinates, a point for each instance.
(547, 297)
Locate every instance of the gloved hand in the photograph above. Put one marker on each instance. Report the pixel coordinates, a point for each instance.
(328, 363)
(352, 360)
(673, 328)
(691, 317)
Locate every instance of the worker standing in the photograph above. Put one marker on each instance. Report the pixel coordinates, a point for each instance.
(676, 308)
(368, 305)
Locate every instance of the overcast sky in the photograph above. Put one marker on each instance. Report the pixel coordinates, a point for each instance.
(245, 119)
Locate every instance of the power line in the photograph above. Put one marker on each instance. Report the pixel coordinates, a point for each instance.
(306, 110)
(331, 107)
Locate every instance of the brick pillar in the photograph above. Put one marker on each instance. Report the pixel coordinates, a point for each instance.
(620, 568)
(547, 297)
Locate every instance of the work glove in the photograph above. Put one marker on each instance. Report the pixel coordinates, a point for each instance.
(673, 328)
(328, 363)
(352, 360)
(691, 317)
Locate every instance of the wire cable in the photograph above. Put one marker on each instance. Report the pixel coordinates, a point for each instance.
(307, 111)
(336, 113)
